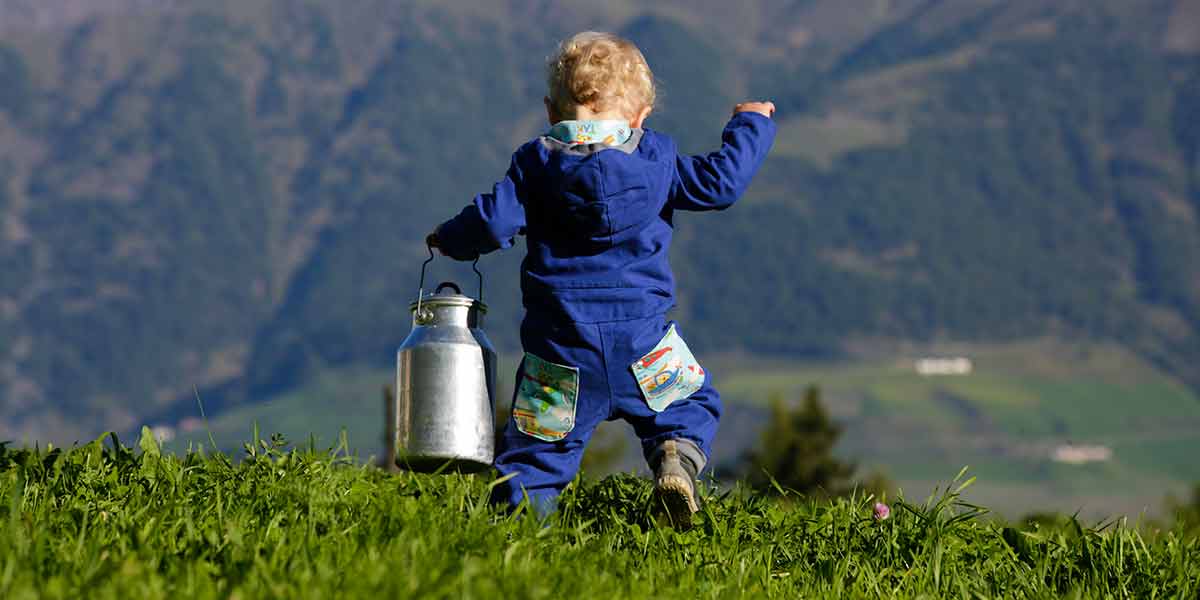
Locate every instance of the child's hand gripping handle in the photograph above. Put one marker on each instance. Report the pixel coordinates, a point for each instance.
(431, 241)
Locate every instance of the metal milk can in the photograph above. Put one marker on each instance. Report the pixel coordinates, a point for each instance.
(445, 383)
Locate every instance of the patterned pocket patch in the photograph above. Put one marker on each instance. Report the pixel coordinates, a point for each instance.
(669, 373)
(546, 397)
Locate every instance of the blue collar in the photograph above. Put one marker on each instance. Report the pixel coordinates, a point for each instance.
(610, 132)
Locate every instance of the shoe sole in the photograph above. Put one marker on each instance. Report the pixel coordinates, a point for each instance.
(676, 495)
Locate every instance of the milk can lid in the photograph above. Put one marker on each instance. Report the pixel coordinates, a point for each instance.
(439, 297)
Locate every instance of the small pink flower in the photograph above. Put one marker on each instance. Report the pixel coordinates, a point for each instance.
(882, 511)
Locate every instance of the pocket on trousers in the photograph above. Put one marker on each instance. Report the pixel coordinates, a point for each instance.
(668, 373)
(547, 394)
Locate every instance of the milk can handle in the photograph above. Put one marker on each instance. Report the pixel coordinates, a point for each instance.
(475, 267)
(421, 284)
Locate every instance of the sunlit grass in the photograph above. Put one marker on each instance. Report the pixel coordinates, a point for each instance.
(104, 521)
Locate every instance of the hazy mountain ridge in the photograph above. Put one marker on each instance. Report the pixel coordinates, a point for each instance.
(233, 196)
(40, 15)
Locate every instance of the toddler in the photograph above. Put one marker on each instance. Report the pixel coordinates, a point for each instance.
(595, 198)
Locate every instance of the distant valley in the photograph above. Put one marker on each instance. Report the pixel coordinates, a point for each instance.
(227, 198)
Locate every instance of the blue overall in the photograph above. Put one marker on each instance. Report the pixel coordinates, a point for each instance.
(596, 285)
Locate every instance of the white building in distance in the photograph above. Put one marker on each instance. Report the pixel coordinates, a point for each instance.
(1073, 454)
(959, 365)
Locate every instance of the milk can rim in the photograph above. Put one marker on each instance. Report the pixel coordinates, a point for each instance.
(435, 301)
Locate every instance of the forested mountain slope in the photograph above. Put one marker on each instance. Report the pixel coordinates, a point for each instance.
(229, 195)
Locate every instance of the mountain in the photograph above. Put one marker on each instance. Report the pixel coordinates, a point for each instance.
(226, 197)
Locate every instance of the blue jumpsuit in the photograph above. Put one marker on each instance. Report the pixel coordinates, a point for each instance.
(596, 285)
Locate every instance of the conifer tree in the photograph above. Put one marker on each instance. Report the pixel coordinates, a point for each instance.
(796, 450)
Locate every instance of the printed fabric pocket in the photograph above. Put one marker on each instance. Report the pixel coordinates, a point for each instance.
(668, 373)
(544, 407)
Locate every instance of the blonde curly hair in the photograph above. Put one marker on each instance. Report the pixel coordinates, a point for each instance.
(601, 71)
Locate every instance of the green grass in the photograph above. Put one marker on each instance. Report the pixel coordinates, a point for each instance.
(100, 521)
(1022, 400)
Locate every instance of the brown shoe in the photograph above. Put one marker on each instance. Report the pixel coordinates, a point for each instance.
(674, 481)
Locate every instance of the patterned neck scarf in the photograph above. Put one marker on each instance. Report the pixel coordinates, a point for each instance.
(609, 132)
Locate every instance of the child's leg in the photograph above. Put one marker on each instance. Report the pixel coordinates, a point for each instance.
(561, 396)
(542, 469)
(693, 419)
(676, 438)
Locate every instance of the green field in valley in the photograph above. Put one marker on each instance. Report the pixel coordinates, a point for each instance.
(1004, 420)
(106, 521)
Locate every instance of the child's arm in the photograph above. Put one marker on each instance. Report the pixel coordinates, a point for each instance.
(716, 180)
(491, 222)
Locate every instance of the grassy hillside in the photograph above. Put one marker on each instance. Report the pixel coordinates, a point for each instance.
(1004, 420)
(110, 522)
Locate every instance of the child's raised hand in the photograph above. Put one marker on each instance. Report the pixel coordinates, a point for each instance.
(432, 241)
(765, 109)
